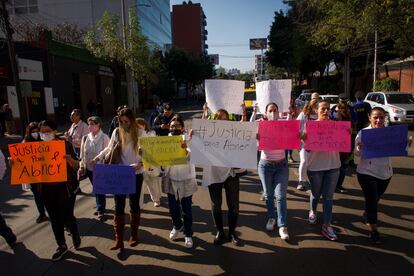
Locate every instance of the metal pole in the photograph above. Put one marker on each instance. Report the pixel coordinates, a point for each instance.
(375, 60)
(261, 64)
(13, 62)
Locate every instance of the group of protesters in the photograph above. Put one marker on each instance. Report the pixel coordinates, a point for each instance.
(87, 145)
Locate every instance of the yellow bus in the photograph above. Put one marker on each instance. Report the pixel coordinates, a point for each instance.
(250, 97)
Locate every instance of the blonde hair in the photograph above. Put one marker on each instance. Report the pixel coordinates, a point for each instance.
(310, 107)
(133, 131)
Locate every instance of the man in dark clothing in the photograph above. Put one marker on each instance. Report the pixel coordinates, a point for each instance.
(361, 111)
(162, 121)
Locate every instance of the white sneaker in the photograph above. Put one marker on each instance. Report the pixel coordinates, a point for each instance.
(157, 204)
(270, 225)
(188, 242)
(283, 232)
(174, 234)
(312, 217)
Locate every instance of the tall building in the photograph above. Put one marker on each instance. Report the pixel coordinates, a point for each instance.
(189, 28)
(153, 15)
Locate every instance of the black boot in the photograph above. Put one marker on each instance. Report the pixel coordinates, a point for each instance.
(233, 237)
(220, 237)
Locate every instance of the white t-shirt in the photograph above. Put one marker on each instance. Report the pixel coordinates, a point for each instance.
(322, 160)
(376, 167)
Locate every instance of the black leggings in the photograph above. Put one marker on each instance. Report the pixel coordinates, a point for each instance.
(59, 206)
(373, 188)
(231, 187)
(133, 199)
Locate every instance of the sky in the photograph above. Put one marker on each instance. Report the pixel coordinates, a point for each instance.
(230, 25)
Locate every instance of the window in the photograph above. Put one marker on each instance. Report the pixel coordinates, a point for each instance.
(24, 6)
(380, 99)
(400, 99)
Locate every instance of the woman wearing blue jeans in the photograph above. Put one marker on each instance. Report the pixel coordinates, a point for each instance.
(323, 172)
(274, 175)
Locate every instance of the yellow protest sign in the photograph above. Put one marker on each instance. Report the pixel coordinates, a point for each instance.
(162, 151)
(38, 162)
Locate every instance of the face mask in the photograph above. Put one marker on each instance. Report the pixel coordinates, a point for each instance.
(93, 128)
(47, 136)
(126, 127)
(176, 132)
(272, 116)
(35, 135)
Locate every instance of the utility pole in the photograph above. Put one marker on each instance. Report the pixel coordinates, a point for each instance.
(13, 60)
(375, 60)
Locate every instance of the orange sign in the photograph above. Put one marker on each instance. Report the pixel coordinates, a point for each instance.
(38, 162)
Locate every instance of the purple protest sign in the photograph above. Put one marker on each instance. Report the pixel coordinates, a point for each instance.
(114, 179)
(384, 142)
(328, 136)
(275, 135)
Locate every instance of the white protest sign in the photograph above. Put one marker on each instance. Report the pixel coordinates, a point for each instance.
(225, 94)
(276, 91)
(224, 143)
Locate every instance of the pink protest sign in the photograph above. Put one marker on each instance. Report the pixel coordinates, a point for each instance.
(279, 135)
(328, 136)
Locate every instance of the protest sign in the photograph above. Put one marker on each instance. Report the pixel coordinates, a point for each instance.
(114, 179)
(224, 143)
(279, 135)
(328, 136)
(384, 142)
(38, 162)
(274, 91)
(225, 94)
(162, 151)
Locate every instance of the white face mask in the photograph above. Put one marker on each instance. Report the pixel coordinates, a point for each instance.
(272, 116)
(47, 136)
(35, 135)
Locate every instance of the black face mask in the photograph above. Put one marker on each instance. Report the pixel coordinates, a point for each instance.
(176, 132)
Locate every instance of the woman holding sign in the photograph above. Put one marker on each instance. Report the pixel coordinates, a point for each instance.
(60, 197)
(32, 135)
(126, 137)
(323, 172)
(181, 184)
(217, 178)
(274, 174)
(374, 175)
(91, 145)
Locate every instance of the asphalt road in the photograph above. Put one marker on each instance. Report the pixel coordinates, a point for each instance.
(264, 253)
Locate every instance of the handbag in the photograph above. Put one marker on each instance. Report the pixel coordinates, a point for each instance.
(114, 155)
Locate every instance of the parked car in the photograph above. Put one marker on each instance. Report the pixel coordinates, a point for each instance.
(398, 105)
(331, 99)
(303, 98)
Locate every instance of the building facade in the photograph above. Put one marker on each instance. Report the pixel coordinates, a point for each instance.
(189, 28)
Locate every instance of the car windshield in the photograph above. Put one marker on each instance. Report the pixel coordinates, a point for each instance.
(331, 100)
(307, 97)
(249, 96)
(400, 99)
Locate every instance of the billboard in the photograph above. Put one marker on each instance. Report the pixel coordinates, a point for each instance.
(258, 43)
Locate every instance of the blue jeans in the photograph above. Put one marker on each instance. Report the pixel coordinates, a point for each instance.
(274, 177)
(179, 213)
(100, 199)
(323, 183)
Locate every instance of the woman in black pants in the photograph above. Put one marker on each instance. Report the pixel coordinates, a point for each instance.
(218, 178)
(374, 175)
(59, 198)
(32, 135)
(127, 135)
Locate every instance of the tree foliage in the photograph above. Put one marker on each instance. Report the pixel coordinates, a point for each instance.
(105, 41)
(351, 24)
(65, 32)
(387, 84)
(184, 67)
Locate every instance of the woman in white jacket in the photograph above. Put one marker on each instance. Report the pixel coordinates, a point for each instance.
(91, 145)
(181, 185)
